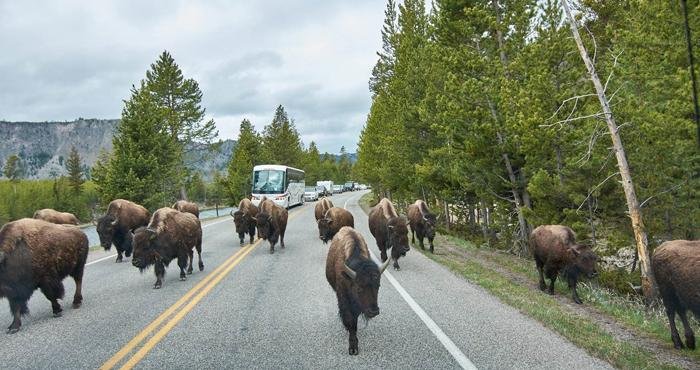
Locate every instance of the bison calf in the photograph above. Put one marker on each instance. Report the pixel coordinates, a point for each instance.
(244, 219)
(422, 222)
(389, 230)
(56, 217)
(355, 279)
(185, 206)
(333, 220)
(555, 250)
(170, 234)
(272, 223)
(676, 266)
(38, 254)
(116, 226)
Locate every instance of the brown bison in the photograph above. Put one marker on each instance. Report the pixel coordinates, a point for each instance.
(38, 254)
(355, 279)
(244, 219)
(117, 225)
(170, 234)
(422, 222)
(389, 230)
(676, 266)
(56, 217)
(272, 223)
(323, 205)
(334, 219)
(185, 206)
(555, 250)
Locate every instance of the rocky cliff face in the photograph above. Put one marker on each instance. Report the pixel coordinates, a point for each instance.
(43, 147)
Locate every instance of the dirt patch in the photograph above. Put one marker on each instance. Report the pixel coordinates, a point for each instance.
(663, 352)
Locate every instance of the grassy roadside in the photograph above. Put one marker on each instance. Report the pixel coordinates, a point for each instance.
(514, 281)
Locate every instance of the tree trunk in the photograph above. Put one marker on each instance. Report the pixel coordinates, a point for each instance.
(691, 62)
(648, 283)
(591, 222)
(560, 165)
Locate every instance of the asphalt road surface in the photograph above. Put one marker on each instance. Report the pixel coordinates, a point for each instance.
(250, 309)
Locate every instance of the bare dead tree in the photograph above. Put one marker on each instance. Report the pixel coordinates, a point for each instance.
(691, 62)
(648, 283)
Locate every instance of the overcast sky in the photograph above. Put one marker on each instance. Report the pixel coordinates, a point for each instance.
(60, 60)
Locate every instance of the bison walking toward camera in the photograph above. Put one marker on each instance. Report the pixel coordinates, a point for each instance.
(185, 206)
(56, 217)
(422, 223)
(271, 223)
(555, 250)
(321, 207)
(116, 226)
(334, 219)
(244, 219)
(355, 279)
(676, 266)
(38, 254)
(170, 234)
(389, 230)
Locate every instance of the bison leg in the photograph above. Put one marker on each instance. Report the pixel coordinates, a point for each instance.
(119, 257)
(17, 309)
(552, 279)
(413, 236)
(689, 335)
(251, 231)
(241, 238)
(160, 272)
(198, 247)
(190, 261)
(420, 241)
(182, 263)
(671, 313)
(540, 269)
(432, 249)
(383, 254)
(53, 291)
(572, 285)
(272, 248)
(350, 323)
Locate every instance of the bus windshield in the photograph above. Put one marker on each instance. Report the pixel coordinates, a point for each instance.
(268, 182)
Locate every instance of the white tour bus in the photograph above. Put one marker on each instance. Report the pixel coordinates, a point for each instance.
(282, 184)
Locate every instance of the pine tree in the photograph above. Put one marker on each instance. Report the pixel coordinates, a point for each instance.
(280, 141)
(240, 168)
(312, 164)
(13, 168)
(75, 171)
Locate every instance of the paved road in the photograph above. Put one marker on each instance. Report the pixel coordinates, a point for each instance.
(277, 311)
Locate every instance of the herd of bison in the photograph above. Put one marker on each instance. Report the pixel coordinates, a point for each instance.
(40, 252)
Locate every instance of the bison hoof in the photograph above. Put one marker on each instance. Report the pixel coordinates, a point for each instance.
(119, 259)
(201, 266)
(690, 342)
(77, 304)
(578, 301)
(12, 330)
(189, 272)
(543, 287)
(272, 250)
(431, 250)
(183, 278)
(157, 286)
(353, 351)
(58, 314)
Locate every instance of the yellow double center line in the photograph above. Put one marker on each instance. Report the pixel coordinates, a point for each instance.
(199, 291)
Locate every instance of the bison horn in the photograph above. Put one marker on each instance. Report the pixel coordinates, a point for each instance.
(352, 274)
(116, 219)
(384, 265)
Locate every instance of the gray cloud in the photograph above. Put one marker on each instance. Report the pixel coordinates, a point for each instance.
(60, 61)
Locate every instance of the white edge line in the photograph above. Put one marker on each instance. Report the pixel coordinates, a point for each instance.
(449, 345)
(114, 255)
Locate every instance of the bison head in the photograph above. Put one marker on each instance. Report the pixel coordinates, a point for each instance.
(325, 229)
(264, 223)
(145, 252)
(430, 221)
(584, 260)
(239, 220)
(398, 234)
(365, 276)
(106, 226)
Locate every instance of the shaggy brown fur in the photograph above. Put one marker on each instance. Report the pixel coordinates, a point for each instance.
(185, 206)
(333, 220)
(322, 206)
(116, 226)
(244, 219)
(56, 217)
(555, 250)
(676, 266)
(272, 223)
(422, 222)
(38, 254)
(170, 234)
(389, 230)
(355, 279)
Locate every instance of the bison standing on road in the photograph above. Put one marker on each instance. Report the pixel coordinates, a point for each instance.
(185, 206)
(244, 219)
(355, 279)
(389, 230)
(676, 266)
(272, 223)
(170, 234)
(322, 206)
(116, 226)
(38, 254)
(422, 222)
(334, 219)
(56, 217)
(555, 250)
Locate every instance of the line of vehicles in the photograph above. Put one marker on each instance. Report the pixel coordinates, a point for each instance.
(286, 186)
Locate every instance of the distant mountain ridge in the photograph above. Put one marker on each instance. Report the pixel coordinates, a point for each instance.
(43, 147)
